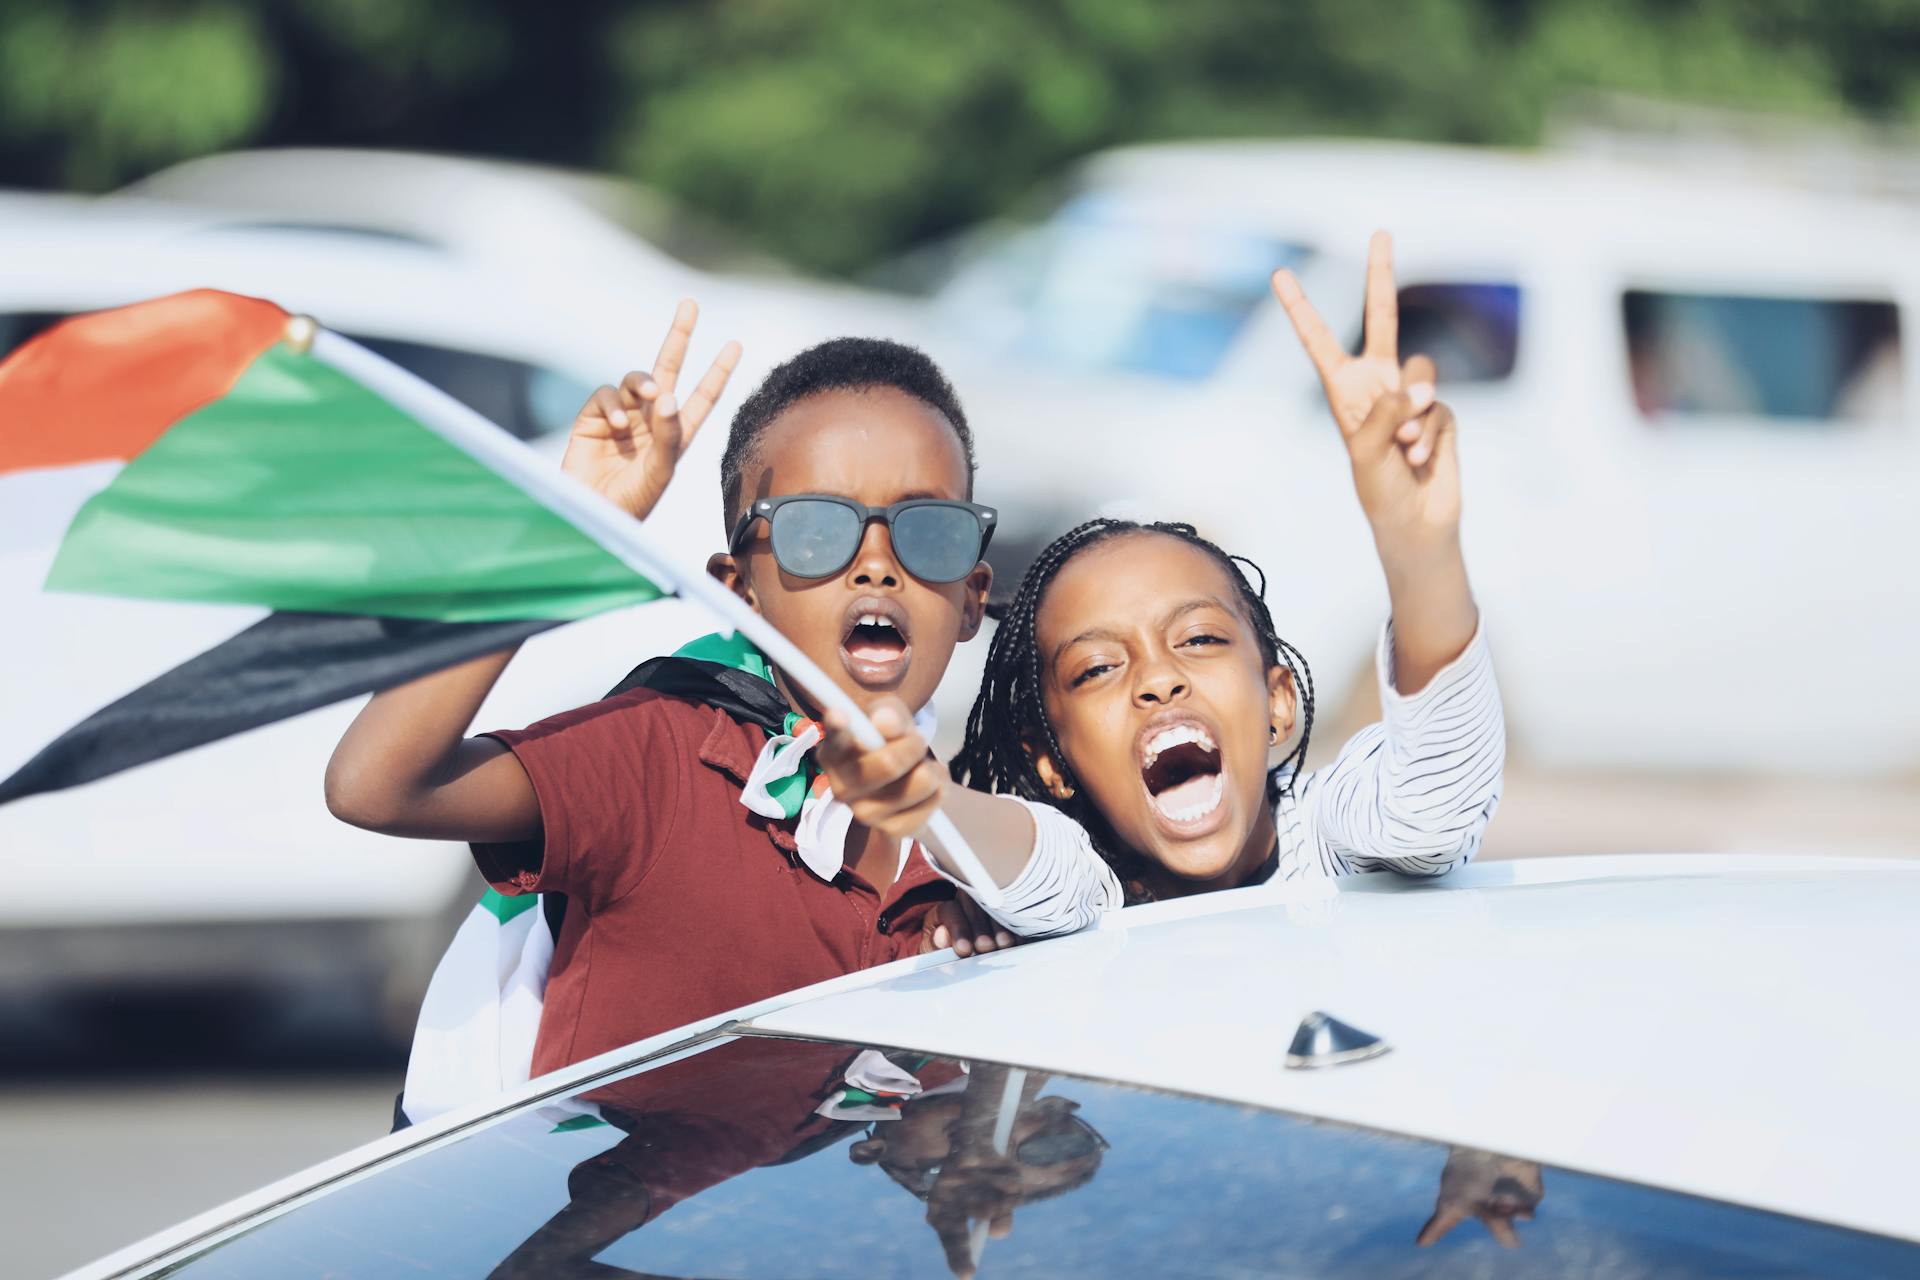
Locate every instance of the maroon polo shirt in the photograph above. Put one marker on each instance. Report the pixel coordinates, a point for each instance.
(681, 902)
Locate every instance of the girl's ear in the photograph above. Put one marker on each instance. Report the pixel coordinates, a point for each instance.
(1282, 704)
(732, 575)
(867, 1151)
(973, 609)
(1052, 776)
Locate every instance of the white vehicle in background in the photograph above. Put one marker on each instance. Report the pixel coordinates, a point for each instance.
(1688, 424)
(222, 866)
(579, 233)
(1612, 1063)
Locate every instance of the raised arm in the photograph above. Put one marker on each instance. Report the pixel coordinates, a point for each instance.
(1402, 444)
(405, 767)
(1415, 792)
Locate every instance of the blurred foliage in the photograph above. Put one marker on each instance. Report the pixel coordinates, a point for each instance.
(840, 130)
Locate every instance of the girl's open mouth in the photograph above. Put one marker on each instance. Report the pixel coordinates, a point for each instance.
(1185, 778)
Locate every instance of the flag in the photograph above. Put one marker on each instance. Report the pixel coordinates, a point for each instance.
(191, 450)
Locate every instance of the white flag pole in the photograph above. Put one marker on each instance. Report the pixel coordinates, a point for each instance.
(618, 533)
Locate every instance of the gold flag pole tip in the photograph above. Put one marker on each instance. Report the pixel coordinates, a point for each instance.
(300, 333)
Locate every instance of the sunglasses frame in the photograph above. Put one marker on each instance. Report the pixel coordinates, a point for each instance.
(765, 508)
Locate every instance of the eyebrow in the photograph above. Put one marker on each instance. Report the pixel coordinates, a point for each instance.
(1167, 619)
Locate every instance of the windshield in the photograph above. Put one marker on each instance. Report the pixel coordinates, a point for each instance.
(1110, 283)
(764, 1157)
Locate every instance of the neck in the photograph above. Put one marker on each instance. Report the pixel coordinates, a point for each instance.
(1254, 853)
(795, 699)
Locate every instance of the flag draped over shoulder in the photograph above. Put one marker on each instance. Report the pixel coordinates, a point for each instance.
(193, 454)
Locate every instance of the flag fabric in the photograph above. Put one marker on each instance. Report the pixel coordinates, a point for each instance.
(187, 450)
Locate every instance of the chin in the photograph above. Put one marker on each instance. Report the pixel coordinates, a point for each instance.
(1208, 861)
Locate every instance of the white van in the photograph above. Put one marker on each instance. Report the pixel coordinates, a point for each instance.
(1688, 428)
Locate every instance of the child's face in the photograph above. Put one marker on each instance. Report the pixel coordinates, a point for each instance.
(1163, 703)
(877, 447)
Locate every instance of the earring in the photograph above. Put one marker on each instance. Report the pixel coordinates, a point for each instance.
(1273, 735)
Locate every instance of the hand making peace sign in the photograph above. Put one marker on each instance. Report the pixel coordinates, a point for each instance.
(628, 439)
(1399, 438)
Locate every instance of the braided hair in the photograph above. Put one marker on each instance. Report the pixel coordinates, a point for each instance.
(1010, 712)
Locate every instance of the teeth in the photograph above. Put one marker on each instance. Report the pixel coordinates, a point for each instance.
(875, 620)
(1199, 808)
(1174, 736)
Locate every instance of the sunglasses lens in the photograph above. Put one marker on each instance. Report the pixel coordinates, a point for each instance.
(813, 539)
(1058, 1145)
(937, 543)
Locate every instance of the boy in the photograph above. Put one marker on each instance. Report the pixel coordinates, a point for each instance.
(695, 880)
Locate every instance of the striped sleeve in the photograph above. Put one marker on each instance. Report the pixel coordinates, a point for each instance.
(1064, 887)
(1413, 793)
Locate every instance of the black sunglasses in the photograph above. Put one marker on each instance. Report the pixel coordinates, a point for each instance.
(816, 535)
(1069, 1138)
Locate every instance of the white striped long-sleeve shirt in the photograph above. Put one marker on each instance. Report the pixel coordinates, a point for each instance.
(1412, 793)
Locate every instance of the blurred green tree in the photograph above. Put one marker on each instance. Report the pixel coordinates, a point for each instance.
(840, 130)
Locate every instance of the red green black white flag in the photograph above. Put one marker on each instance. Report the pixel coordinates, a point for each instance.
(209, 448)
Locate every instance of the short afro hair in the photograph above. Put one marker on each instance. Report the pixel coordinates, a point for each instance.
(842, 364)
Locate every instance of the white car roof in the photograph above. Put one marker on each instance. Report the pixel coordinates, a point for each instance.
(1738, 1027)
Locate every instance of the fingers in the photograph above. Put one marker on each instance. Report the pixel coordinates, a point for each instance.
(1414, 372)
(1381, 429)
(857, 772)
(1501, 1229)
(896, 787)
(956, 1241)
(1445, 1218)
(663, 438)
(1432, 426)
(902, 809)
(981, 927)
(607, 404)
(1322, 347)
(1383, 302)
(704, 396)
(673, 350)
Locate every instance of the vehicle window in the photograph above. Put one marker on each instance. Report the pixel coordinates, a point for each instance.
(1471, 330)
(1810, 359)
(764, 1157)
(1108, 286)
(525, 399)
(18, 326)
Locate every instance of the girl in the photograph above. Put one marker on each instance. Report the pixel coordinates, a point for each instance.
(1138, 686)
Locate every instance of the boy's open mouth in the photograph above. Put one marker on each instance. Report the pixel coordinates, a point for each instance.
(1184, 776)
(875, 647)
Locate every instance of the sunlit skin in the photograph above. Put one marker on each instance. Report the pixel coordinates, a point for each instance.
(1138, 632)
(877, 447)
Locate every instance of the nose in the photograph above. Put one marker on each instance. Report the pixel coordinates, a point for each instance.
(1158, 682)
(873, 565)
